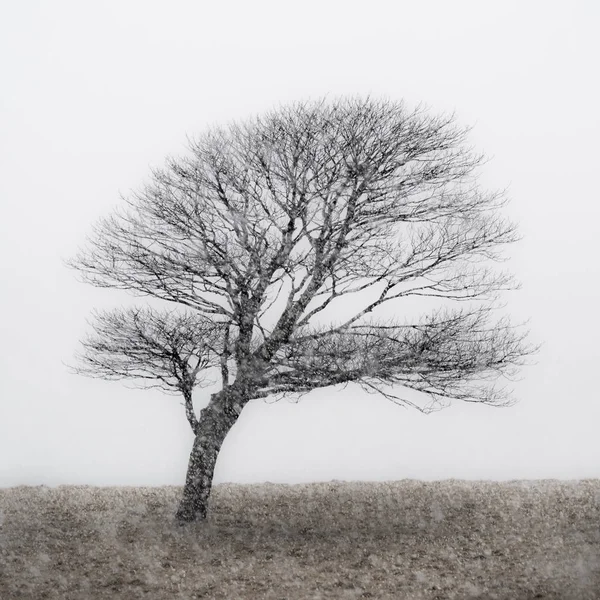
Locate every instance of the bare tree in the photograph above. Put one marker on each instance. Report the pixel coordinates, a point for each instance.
(266, 227)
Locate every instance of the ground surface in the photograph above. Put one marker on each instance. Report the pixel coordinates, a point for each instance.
(406, 539)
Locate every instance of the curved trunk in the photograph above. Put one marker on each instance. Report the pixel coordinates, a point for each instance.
(215, 422)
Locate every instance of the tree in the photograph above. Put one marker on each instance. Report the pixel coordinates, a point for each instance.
(269, 224)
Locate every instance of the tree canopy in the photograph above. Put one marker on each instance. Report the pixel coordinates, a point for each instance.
(269, 224)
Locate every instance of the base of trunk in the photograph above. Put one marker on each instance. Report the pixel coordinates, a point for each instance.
(187, 514)
(194, 503)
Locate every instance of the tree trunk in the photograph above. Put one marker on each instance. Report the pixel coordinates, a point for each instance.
(215, 422)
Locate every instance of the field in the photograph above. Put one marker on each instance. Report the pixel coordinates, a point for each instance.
(405, 539)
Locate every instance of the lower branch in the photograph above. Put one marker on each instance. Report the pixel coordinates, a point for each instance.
(189, 410)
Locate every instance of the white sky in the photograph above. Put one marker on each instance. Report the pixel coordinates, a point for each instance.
(93, 94)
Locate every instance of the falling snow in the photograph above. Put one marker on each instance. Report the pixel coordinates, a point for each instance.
(404, 539)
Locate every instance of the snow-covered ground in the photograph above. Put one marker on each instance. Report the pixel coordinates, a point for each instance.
(405, 539)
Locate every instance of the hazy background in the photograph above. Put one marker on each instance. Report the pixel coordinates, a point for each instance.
(93, 94)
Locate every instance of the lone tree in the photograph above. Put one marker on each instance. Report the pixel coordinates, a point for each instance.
(271, 224)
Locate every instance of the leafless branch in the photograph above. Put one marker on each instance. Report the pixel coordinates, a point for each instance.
(168, 350)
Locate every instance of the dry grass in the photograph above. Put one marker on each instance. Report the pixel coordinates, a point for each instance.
(396, 540)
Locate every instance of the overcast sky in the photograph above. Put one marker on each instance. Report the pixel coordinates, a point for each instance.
(95, 93)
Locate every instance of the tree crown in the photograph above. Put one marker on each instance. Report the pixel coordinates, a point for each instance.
(269, 223)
